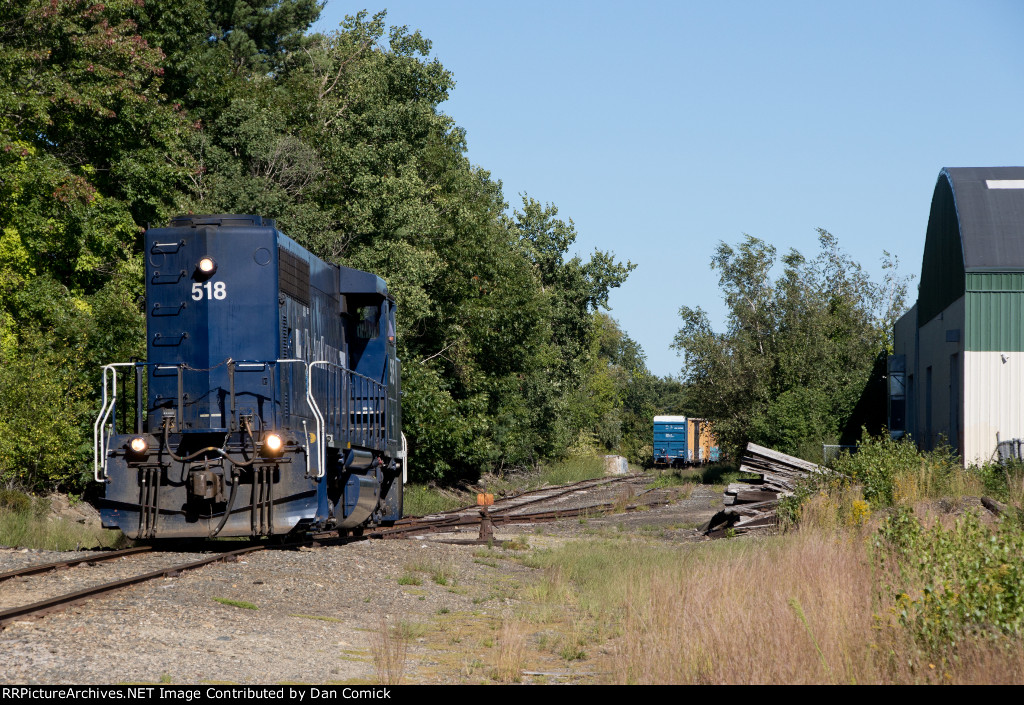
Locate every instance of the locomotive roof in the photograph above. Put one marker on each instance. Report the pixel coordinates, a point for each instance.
(354, 281)
(231, 220)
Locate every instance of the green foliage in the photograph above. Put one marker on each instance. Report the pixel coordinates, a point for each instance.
(117, 114)
(895, 471)
(87, 147)
(798, 350)
(954, 583)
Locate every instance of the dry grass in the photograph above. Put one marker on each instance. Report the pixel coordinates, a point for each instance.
(389, 645)
(791, 611)
(806, 607)
(511, 652)
(923, 482)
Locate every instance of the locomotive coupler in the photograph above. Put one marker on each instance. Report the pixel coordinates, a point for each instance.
(206, 483)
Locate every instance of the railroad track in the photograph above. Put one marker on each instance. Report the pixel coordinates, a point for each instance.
(511, 503)
(508, 510)
(63, 601)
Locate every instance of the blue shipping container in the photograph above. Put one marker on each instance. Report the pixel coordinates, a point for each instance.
(670, 447)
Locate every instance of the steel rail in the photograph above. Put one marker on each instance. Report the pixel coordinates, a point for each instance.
(60, 602)
(455, 522)
(44, 567)
(495, 509)
(569, 490)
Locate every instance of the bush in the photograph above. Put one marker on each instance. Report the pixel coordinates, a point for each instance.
(896, 472)
(948, 585)
(15, 502)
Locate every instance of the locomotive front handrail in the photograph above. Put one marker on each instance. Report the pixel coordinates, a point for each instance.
(109, 401)
(99, 440)
(365, 426)
(321, 450)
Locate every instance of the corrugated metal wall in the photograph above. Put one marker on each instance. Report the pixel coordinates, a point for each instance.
(995, 311)
(992, 401)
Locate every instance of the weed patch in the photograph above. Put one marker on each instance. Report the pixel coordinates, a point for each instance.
(24, 523)
(317, 617)
(389, 645)
(420, 500)
(948, 585)
(241, 604)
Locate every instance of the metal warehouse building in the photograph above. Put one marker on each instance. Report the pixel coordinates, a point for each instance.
(958, 366)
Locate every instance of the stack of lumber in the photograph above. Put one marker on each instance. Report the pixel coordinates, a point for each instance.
(752, 504)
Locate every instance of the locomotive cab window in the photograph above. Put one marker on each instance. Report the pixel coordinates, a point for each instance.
(369, 322)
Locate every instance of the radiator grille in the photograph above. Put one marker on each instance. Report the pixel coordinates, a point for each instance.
(293, 274)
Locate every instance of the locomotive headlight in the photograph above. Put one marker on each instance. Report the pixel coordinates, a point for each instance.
(272, 444)
(206, 266)
(138, 447)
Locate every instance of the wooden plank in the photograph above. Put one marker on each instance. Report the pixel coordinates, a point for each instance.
(783, 458)
(754, 496)
(759, 522)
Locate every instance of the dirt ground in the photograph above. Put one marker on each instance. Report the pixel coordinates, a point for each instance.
(418, 610)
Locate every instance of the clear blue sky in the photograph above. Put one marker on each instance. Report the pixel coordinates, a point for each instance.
(662, 128)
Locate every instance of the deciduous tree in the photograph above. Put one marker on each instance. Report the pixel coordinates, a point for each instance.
(798, 349)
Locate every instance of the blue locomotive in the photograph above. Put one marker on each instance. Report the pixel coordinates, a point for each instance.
(269, 402)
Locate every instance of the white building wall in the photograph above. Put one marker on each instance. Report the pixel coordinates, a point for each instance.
(934, 349)
(993, 402)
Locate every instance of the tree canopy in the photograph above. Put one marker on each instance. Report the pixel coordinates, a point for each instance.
(798, 349)
(117, 114)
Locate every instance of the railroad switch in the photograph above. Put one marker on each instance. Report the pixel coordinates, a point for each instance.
(486, 527)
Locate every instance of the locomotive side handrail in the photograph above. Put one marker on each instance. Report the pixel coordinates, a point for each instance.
(321, 449)
(364, 427)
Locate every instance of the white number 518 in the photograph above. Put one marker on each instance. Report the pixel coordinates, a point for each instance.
(213, 290)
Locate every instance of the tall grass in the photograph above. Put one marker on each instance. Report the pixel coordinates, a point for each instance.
(511, 653)
(896, 472)
(806, 607)
(25, 522)
(389, 645)
(23, 531)
(421, 500)
(571, 470)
